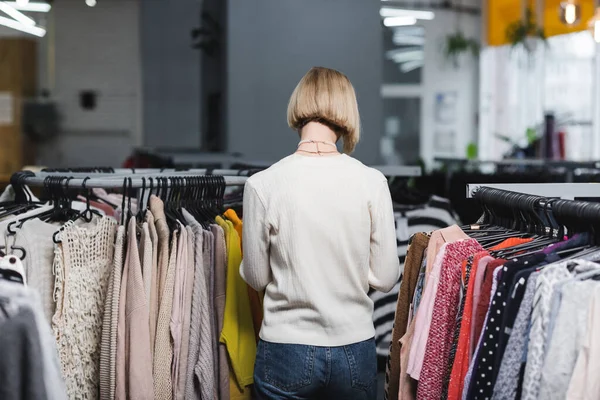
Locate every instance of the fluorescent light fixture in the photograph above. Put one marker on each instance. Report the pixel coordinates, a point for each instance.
(411, 65)
(31, 29)
(30, 6)
(15, 14)
(403, 55)
(399, 21)
(401, 39)
(386, 12)
(22, 2)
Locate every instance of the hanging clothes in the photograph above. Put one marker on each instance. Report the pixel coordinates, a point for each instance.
(238, 331)
(82, 270)
(409, 220)
(584, 384)
(134, 358)
(221, 259)
(36, 236)
(30, 367)
(414, 256)
(187, 313)
(153, 278)
(163, 347)
(108, 350)
(254, 297)
(200, 381)
(178, 306)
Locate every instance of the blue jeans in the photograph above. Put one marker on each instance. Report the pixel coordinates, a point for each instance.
(293, 371)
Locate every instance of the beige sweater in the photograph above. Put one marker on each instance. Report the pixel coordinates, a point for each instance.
(187, 313)
(157, 208)
(163, 347)
(318, 231)
(134, 359)
(153, 279)
(108, 346)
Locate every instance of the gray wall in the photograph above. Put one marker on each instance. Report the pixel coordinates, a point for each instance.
(171, 73)
(92, 49)
(272, 43)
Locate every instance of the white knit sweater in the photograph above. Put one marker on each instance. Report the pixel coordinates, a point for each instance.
(318, 231)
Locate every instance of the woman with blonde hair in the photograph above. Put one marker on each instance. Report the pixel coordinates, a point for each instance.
(318, 232)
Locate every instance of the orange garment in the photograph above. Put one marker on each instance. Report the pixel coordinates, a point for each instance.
(461, 361)
(511, 242)
(254, 297)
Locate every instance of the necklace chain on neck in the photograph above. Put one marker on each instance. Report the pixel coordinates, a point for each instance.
(316, 143)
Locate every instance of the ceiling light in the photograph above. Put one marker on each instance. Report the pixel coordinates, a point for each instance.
(16, 14)
(30, 6)
(401, 39)
(31, 29)
(594, 25)
(399, 12)
(411, 65)
(91, 3)
(403, 55)
(22, 2)
(569, 12)
(399, 21)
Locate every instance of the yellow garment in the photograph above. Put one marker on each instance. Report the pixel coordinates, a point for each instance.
(238, 330)
(255, 298)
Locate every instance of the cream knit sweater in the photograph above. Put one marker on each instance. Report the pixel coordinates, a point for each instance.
(318, 231)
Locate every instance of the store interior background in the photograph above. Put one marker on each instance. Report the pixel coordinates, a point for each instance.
(211, 79)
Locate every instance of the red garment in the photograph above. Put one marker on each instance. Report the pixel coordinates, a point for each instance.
(443, 321)
(484, 301)
(461, 361)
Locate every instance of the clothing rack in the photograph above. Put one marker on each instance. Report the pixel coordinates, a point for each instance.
(115, 181)
(401, 171)
(566, 191)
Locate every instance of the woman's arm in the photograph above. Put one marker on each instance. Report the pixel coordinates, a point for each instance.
(255, 268)
(384, 270)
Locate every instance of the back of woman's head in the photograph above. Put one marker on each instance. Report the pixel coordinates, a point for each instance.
(326, 96)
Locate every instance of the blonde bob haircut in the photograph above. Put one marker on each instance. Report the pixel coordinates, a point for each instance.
(326, 96)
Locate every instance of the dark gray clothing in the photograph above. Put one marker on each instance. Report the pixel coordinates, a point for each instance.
(21, 367)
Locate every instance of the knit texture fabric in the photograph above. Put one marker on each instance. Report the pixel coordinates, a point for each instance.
(292, 252)
(134, 367)
(466, 276)
(108, 347)
(461, 361)
(36, 237)
(163, 348)
(201, 381)
(204, 369)
(199, 309)
(443, 321)
(146, 256)
(81, 281)
(153, 279)
(157, 209)
(220, 291)
(177, 309)
(187, 314)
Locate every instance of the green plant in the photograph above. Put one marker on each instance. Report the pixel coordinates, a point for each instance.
(519, 31)
(457, 43)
